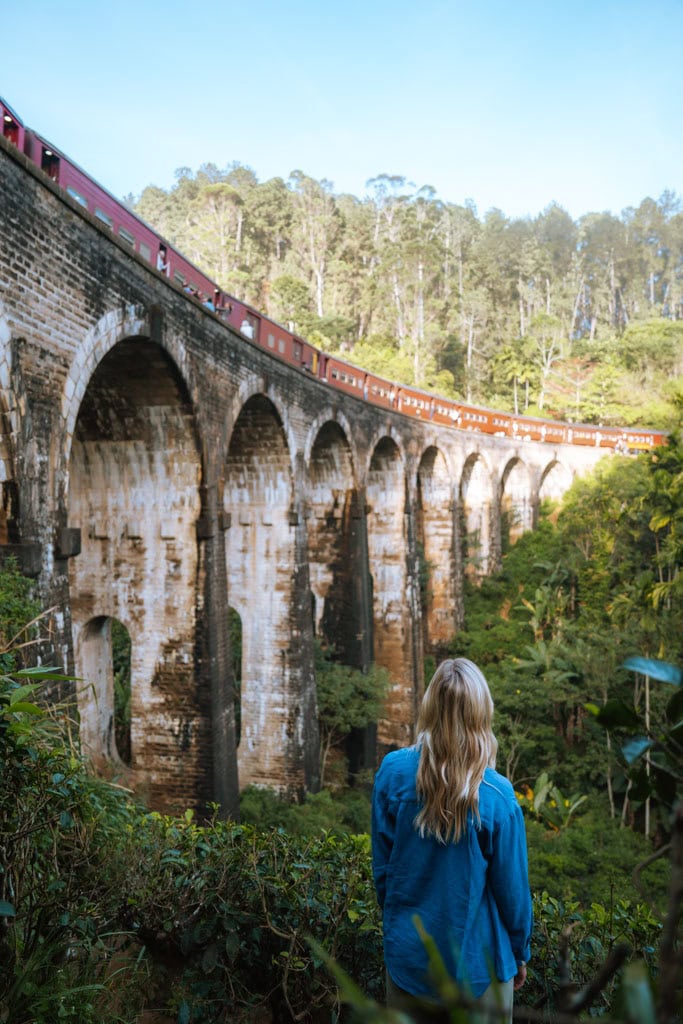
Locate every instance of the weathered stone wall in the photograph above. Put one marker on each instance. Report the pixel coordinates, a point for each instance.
(158, 470)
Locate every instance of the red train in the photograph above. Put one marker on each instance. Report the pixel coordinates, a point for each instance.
(282, 343)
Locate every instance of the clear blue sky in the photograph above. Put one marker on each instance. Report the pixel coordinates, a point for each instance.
(512, 103)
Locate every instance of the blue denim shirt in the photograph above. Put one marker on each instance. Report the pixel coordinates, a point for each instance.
(471, 896)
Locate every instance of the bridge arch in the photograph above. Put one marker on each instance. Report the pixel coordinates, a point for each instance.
(516, 501)
(387, 523)
(554, 481)
(134, 491)
(262, 546)
(253, 386)
(331, 415)
(436, 550)
(113, 327)
(476, 504)
(332, 502)
(384, 433)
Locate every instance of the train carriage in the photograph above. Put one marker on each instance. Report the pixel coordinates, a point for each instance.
(345, 377)
(122, 222)
(379, 391)
(414, 403)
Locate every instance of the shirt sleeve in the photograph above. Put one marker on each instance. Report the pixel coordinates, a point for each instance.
(509, 882)
(383, 829)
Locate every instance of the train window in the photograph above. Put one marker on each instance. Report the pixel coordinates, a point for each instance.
(145, 252)
(126, 237)
(271, 341)
(280, 345)
(101, 215)
(77, 196)
(297, 350)
(179, 279)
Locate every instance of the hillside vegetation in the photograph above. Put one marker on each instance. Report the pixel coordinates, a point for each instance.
(581, 320)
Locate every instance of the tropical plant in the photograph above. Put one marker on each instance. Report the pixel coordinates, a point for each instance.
(548, 805)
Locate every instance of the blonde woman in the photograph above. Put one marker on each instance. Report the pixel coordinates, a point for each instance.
(448, 844)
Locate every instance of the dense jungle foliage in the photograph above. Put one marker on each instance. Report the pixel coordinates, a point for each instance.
(576, 319)
(108, 912)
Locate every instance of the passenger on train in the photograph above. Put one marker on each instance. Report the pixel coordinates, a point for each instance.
(163, 263)
(247, 329)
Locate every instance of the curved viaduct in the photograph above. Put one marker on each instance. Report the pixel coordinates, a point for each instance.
(159, 470)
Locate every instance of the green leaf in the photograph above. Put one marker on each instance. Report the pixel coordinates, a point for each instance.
(661, 670)
(40, 674)
(635, 999)
(635, 748)
(25, 708)
(616, 714)
(21, 692)
(210, 958)
(658, 520)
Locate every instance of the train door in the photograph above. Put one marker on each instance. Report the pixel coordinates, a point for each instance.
(249, 326)
(49, 162)
(12, 128)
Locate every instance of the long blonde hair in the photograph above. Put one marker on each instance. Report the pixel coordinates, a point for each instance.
(456, 745)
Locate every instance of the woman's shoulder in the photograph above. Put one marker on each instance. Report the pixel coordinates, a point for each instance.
(402, 760)
(497, 790)
(399, 767)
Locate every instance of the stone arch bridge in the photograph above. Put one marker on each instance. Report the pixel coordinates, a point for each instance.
(158, 470)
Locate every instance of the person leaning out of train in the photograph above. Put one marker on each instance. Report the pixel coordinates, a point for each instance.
(163, 263)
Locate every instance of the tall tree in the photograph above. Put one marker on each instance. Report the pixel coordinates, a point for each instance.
(214, 230)
(315, 228)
